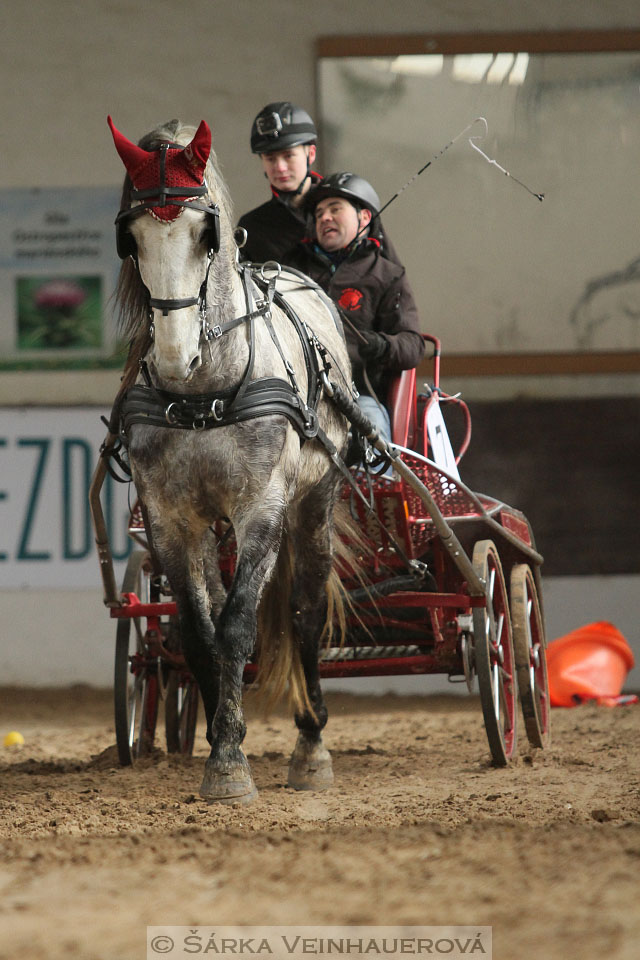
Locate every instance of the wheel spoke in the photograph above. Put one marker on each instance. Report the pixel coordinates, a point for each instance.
(496, 690)
(133, 709)
(508, 724)
(492, 583)
(142, 729)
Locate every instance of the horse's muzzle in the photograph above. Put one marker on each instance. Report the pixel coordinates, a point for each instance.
(174, 370)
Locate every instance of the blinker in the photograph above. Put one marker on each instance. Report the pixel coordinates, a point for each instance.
(125, 241)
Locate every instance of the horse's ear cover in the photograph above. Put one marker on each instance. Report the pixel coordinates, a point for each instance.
(131, 155)
(185, 166)
(179, 167)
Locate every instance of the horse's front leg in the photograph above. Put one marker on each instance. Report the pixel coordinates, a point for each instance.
(227, 776)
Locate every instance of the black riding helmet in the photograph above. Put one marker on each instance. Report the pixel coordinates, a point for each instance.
(280, 126)
(348, 185)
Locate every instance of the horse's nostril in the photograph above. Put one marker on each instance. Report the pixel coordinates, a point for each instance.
(195, 363)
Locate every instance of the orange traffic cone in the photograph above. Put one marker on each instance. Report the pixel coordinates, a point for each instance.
(590, 663)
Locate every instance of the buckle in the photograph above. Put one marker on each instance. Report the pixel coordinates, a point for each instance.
(311, 424)
(169, 415)
(326, 384)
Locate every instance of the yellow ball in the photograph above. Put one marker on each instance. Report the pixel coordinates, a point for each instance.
(13, 739)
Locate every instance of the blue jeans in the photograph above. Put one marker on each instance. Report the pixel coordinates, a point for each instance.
(378, 415)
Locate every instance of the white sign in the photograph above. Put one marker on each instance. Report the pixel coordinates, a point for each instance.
(47, 459)
(441, 450)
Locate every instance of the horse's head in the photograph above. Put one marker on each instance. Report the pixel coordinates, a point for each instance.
(171, 229)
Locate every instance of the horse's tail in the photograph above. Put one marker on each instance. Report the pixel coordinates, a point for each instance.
(280, 674)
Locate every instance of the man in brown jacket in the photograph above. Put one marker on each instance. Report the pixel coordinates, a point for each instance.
(344, 256)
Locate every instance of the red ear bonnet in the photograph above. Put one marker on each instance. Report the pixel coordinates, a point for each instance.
(184, 166)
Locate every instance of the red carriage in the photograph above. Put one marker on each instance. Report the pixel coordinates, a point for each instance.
(452, 587)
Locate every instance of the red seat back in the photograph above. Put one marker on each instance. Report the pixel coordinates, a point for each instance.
(401, 404)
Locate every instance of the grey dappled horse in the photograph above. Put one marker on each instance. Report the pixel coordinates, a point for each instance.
(210, 348)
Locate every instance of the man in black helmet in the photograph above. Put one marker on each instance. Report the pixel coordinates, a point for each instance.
(345, 257)
(284, 137)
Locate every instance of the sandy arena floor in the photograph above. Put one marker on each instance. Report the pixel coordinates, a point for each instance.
(418, 829)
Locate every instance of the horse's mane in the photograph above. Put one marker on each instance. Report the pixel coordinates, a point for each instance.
(130, 293)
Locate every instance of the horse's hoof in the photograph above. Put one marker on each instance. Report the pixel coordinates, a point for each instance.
(310, 766)
(235, 800)
(236, 786)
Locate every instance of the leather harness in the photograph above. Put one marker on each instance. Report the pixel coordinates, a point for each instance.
(145, 403)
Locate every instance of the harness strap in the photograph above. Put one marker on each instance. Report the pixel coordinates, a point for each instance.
(132, 212)
(309, 284)
(164, 191)
(306, 339)
(250, 316)
(167, 305)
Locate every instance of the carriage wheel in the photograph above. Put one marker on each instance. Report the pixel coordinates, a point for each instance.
(135, 676)
(181, 712)
(529, 648)
(493, 655)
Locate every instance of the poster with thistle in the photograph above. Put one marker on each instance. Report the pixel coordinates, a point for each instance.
(58, 271)
(55, 313)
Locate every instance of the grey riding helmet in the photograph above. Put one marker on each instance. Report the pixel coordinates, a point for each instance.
(280, 126)
(348, 185)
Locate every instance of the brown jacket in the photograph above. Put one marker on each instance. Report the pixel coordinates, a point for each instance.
(374, 294)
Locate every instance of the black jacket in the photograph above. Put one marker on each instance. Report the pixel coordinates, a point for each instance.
(273, 229)
(374, 294)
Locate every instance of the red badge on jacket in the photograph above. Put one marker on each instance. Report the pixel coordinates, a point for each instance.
(350, 299)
